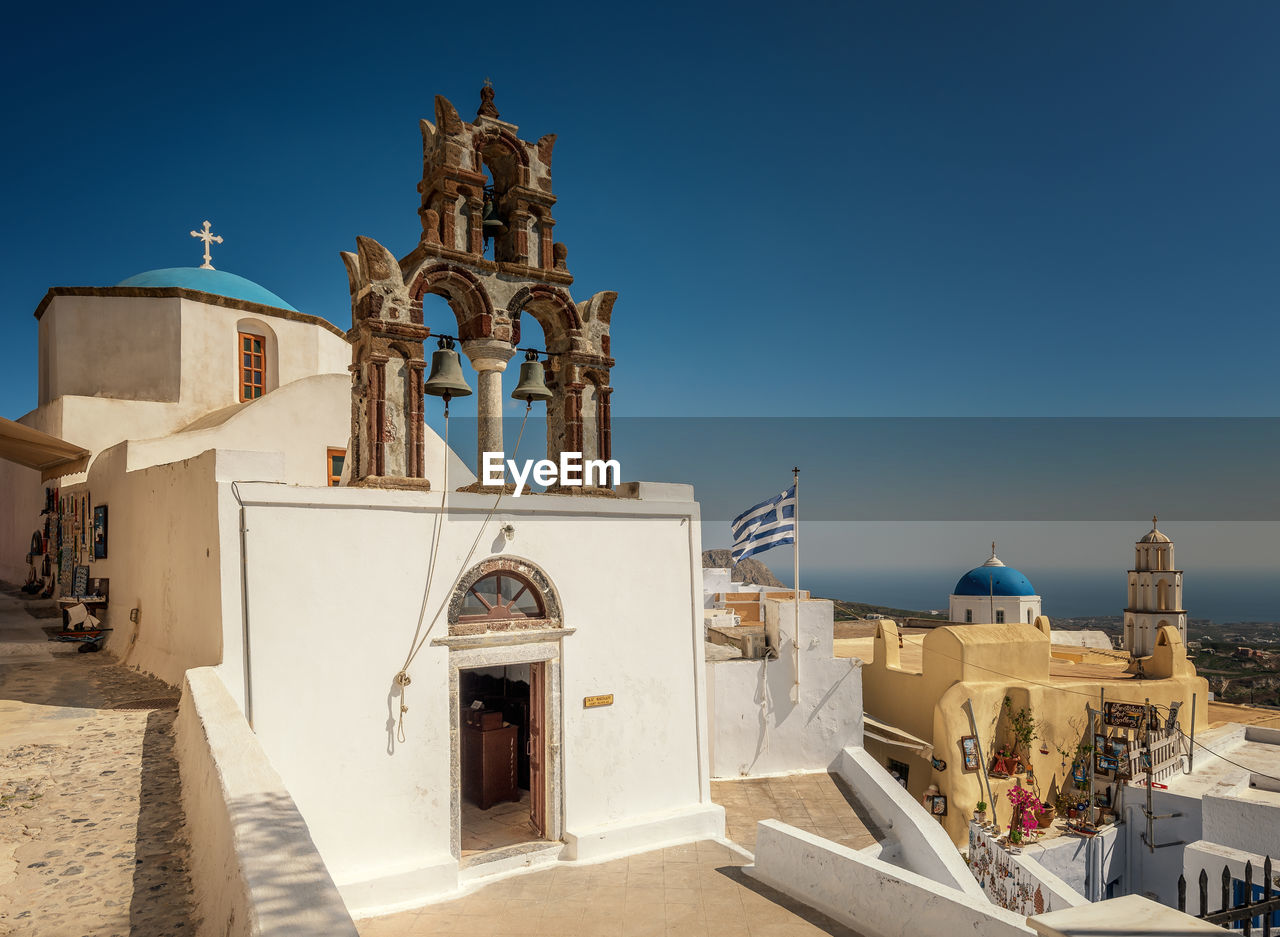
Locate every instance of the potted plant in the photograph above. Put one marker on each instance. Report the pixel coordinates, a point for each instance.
(1023, 726)
(980, 812)
(1026, 806)
(1067, 804)
(1045, 817)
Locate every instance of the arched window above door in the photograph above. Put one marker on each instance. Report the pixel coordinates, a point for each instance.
(503, 594)
(500, 595)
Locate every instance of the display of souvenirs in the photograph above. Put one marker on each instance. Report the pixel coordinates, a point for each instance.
(99, 532)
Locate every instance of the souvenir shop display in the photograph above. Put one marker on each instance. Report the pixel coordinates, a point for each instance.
(99, 531)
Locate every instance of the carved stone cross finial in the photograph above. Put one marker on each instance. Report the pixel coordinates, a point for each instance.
(209, 238)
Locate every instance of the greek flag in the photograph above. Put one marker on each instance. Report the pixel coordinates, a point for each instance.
(769, 524)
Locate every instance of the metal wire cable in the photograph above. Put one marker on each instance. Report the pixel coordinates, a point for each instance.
(402, 678)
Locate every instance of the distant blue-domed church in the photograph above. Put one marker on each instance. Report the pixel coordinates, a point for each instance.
(994, 593)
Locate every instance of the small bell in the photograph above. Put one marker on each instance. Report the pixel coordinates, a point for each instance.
(533, 385)
(446, 378)
(491, 225)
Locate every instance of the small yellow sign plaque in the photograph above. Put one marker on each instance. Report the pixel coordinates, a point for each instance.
(591, 702)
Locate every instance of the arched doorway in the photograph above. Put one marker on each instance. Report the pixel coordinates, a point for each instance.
(505, 633)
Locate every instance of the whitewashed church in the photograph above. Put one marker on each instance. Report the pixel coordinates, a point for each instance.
(993, 593)
(448, 681)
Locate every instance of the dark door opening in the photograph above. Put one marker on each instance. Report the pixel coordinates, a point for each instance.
(502, 754)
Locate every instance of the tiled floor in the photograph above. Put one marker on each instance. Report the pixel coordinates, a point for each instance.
(817, 803)
(696, 890)
(501, 825)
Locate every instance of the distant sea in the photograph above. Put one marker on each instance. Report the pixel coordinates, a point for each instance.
(1217, 596)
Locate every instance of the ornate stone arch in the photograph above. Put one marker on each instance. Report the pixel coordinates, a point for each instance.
(524, 570)
(554, 311)
(501, 153)
(467, 297)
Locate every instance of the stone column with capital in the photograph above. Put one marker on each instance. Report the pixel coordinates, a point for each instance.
(475, 224)
(489, 357)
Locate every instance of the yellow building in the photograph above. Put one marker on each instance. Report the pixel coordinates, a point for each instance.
(924, 692)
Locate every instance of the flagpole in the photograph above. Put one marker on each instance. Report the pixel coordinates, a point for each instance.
(795, 580)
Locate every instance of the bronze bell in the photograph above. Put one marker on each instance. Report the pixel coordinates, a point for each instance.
(533, 385)
(491, 225)
(446, 378)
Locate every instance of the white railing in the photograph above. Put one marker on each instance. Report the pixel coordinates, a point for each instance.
(1166, 757)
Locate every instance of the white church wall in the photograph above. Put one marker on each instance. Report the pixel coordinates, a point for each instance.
(132, 368)
(301, 420)
(984, 608)
(114, 368)
(335, 580)
(211, 359)
(111, 346)
(164, 557)
(756, 728)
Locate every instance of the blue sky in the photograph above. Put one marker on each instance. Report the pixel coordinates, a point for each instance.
(890, 209)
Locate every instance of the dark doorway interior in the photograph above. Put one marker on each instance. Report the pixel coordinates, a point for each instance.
(499, 765)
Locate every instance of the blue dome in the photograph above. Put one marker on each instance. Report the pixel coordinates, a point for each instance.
(994, 580)
(217, 282)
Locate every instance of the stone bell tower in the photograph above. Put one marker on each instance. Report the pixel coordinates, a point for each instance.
(480, 183)
(1155, 594)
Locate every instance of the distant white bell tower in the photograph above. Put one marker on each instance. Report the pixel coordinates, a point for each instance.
(1155, 594)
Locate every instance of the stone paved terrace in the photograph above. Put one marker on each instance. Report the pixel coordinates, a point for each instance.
(817, 803)
(91, 838)
(696, 890)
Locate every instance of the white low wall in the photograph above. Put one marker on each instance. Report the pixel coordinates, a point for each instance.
(756, 728)
(254, 868)
(870, 896)
(1211, 858)
(918, 840)
(1017, 882)
(1154, 873)
(1087, 865)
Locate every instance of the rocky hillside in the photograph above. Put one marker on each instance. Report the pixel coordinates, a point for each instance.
(751, 571)
(853, 611)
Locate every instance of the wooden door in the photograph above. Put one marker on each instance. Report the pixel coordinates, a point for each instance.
(538, 748)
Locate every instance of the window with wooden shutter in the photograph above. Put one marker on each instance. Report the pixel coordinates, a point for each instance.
(253, 366)
(335, 461)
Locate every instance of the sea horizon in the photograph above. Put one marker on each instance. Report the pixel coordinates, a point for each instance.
(1219, 596)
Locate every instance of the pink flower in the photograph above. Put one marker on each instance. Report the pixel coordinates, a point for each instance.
(1026, 807)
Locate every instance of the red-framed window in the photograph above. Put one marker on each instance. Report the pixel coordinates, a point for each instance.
(334, 462)
(253, 366)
